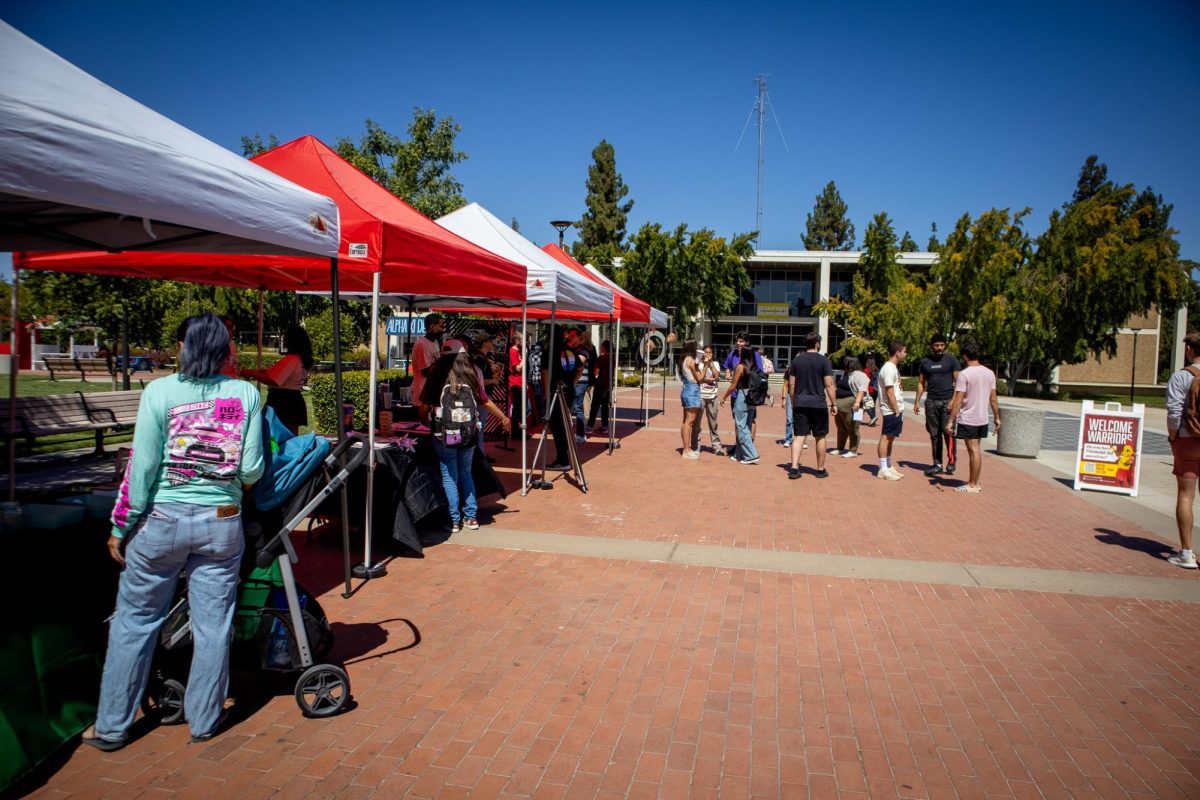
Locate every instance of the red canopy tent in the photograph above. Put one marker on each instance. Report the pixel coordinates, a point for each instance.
(415, 256)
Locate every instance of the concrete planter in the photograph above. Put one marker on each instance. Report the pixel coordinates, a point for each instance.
(1021, 432)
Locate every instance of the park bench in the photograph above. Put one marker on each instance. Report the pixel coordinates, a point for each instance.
(70, 413)
(84, 366)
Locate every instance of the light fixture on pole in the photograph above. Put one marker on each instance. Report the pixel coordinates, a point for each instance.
(561, 226)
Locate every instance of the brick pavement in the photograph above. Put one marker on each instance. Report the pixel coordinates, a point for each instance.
(544, 675)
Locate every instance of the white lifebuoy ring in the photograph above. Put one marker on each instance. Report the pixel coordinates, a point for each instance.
(651, 342)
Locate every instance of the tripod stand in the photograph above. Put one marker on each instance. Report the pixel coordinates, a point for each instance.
(557, 404)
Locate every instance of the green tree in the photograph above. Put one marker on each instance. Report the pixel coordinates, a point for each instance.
(254, 145)
(933, 245)
(1092, 179)
(416, 169)
(828, 227)
(602, 227)
(878, 269)
(1108, 256)
(690, 271)
(909, 244)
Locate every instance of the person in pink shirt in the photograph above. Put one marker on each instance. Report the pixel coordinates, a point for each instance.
(974, 393)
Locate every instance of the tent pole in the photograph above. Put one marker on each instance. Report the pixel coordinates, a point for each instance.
(341, 421)
(408, 344)
(260, 328)
(125, 345)
(615, 354)
(524, 434)
(369, 569)
(14, 366)
(547, 376)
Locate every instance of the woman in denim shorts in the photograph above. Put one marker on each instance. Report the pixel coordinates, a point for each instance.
(689, 373)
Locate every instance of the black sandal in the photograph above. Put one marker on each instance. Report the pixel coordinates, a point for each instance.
(100, 743)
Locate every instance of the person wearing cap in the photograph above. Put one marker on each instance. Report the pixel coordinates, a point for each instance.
(424, 353)
(454, 367)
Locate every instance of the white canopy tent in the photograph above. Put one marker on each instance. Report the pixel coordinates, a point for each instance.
(658, 319)
(84, 167)
(552, 286)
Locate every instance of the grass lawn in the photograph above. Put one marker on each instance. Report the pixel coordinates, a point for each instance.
(40, 385)
(1150, 401)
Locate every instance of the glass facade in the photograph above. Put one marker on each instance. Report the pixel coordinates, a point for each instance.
(779, 342)
(841, 283)
(795, 287)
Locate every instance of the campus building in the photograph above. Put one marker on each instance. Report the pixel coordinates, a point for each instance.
(776, 310)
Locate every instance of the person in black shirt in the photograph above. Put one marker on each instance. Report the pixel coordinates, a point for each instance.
(601, 387)
(562, 374)
(810, 387)
(936, 381)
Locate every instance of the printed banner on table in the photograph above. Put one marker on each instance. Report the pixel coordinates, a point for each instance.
(1108, 458)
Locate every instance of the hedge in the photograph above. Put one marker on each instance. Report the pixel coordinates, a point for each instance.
(632, 379)
(355, 388)
(249, 359)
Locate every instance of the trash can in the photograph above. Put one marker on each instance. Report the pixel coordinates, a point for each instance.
(1020, 432)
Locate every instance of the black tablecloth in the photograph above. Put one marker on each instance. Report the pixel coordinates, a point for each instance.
(408, 490)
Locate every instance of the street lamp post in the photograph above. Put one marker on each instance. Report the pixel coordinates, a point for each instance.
(561, 226)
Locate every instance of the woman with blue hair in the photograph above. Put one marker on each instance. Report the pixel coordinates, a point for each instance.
(197, 447)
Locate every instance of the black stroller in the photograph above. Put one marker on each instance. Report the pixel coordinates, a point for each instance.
(278, 626)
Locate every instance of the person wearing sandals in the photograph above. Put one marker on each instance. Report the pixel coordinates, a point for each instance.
(974, 392)
(744, 452)
(455, 371)
(710, 377)
(689, 397)
(197, 446)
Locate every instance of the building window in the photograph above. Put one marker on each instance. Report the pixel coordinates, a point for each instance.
(841, 284)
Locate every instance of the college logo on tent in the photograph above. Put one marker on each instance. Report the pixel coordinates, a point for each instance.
(535, 283)
(357, 250)
(319, 224)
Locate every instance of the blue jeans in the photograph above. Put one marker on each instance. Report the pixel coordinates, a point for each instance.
(170, 538)
(577, 408)
(457, 483)
(787, 430)
(741, 420)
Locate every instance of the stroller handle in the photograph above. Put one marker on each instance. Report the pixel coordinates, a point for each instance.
(279, 544)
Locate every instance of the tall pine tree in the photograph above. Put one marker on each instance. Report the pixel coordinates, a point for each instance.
(602, 228)
(878, 270)
(828, 227)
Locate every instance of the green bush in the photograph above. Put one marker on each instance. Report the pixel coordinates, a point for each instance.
(355, 389)
(632, 379)
(249, 360)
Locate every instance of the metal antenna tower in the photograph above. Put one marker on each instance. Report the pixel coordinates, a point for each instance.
(760, 108)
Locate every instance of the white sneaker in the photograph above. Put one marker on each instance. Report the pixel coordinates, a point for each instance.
(833, 451)
(1181, 560)
(888, 474)
(850, 454)
(692, 455)
(580, 439)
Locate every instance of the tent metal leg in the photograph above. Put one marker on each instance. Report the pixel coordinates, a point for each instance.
(338, 406)
(369, 569)
(14, 367)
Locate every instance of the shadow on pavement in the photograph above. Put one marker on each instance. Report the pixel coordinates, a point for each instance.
(357, 642)
(1151, 547)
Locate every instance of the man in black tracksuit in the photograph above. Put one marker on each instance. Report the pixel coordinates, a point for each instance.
(937, 374)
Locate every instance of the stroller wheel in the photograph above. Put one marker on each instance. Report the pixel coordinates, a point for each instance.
(165, 701)
(323, 690)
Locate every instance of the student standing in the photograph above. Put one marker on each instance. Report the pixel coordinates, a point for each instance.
(811, 392)
(689, 398)
(938, 373)
(425, 352)
(1185, 447)
(851, 389)
(710, 377)
(601, 388)
(744, 452)
(974, 391)
(286, 378)
(891, 409)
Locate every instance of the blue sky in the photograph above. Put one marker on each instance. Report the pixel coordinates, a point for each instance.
(924, 110)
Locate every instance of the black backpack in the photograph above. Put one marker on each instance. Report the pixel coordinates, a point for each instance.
(756, 385)
(456, 419)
